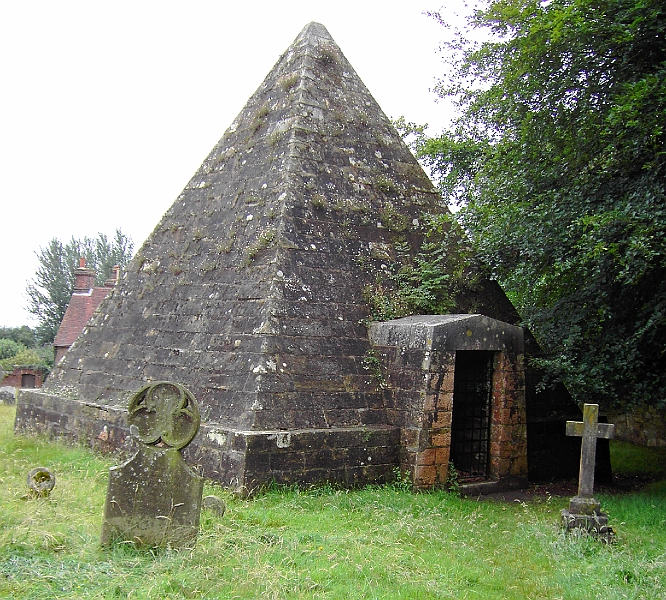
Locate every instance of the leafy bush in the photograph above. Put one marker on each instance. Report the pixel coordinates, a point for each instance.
(47, 355)
(23, 358)
(9, 348)
(429, 282)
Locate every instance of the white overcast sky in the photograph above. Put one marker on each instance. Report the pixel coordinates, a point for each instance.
(108, 107)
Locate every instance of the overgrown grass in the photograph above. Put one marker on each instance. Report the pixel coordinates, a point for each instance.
(319, 543)
(628, 459)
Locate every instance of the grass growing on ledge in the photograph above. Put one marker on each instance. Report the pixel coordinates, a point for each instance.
(376, 542)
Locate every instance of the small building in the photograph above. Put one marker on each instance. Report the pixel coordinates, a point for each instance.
(455, 388)
(85, 300)
(24, 376)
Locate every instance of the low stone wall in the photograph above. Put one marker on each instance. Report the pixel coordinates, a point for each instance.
(349, 456)
(104, 428)
(645, 426)
(242, 460)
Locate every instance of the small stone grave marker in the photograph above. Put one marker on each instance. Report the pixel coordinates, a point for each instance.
(154, 499)
(215, 505)
(40, 482)
(585, 510)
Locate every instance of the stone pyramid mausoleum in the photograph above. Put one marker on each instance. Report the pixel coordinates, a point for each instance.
(254, 291)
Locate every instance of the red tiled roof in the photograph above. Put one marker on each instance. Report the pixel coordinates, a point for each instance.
(81, 308)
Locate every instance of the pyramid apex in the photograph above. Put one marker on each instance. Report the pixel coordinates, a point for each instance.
(314, 30)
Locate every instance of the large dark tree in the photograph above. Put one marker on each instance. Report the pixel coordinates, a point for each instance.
(51, 289)
(558, 162)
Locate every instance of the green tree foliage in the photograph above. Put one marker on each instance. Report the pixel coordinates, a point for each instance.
(18, 347)
(557, 160)
(51, 289)
(25, 357)
(21, 335)
(9, 348)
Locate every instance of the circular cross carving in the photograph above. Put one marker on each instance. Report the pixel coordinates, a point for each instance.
(41, 481)
(166, 412)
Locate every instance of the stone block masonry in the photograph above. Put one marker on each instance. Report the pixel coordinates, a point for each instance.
(348, 456)
(642, 425)
(252, 292)
(419, 356)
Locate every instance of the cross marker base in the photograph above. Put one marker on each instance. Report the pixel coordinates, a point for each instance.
(595, 525)
(580, 505)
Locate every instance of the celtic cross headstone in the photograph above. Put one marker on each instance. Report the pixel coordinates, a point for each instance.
(154, 499)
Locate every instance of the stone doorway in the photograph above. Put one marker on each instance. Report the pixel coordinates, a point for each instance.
(455, 386)
(472, 410)
(28, 380)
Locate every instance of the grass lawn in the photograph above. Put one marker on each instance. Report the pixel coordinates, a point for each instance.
(377, 542)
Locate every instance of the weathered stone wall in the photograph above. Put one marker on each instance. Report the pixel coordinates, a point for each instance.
(242, 460)
(250, 290)
(419, 402)
(350, 456)
(102, 427)
(645, 426)
(418, 356)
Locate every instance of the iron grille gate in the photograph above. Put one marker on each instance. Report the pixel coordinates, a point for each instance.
(470, 427)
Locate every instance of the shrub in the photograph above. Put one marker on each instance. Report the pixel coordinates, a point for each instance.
(23, 358)
(9, 348)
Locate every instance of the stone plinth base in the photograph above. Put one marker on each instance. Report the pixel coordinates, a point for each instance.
(579, 505)
(241, 460)
(596, 525)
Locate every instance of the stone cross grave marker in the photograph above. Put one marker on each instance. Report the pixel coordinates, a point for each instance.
(584, 509)
(154, 499)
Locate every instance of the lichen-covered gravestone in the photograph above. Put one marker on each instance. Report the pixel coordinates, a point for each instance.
(154, 499)
(40, 482)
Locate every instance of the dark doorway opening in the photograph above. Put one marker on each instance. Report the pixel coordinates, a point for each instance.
(470, 427)
(28, 380)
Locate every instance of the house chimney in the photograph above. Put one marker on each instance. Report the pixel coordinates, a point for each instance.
(114, 279)
(84, 279)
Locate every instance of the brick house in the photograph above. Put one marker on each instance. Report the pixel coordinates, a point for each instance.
(85, 300)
